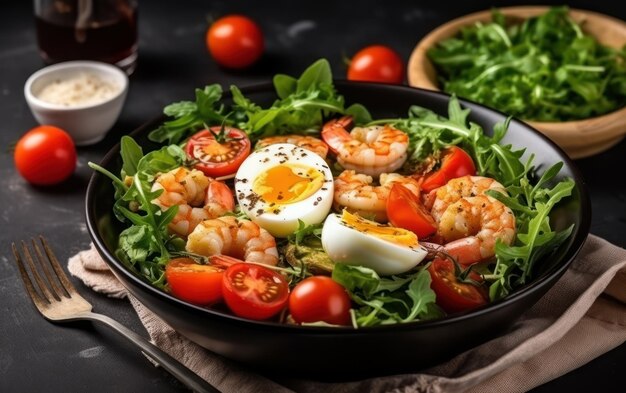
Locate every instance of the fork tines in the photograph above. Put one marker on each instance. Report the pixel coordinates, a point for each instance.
(55, 286)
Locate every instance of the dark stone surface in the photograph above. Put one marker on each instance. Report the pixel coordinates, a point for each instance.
(36, 355)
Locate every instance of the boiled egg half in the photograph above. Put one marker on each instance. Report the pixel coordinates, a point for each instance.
(351, 239)
(280, 184)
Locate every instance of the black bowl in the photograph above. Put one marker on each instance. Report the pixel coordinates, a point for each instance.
(345, 353)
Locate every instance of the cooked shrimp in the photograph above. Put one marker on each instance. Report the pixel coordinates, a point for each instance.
(241, 239)
(197, 196)
(466, 186)
(369, 150)
(356, 192)
(306, 142)
(468, 221)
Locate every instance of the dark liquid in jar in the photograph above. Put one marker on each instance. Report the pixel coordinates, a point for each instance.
(111, 39)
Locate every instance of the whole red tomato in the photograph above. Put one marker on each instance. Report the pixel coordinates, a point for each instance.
(235, 41)
(45, 155)
(377, 63)
(320, 299)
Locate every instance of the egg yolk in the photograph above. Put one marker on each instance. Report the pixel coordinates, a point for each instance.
(384, 232)
(287, 183)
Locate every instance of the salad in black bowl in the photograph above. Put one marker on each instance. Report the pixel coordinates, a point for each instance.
(282, 220)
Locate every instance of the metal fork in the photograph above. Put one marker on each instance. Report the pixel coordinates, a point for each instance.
(58, 301)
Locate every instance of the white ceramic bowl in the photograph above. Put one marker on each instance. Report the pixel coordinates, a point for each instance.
(86, 123)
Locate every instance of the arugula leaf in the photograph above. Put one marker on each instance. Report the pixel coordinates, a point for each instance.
(285, 85)
(357, 278)
(305, 231)
(146, 244)
(506, 165)
(543, 69)
(207, 101)
(302, 106)
(316, 75)
(135, 242)
(180, 109)
(143, 246)
(242, 105)
(359, 113)
(419, 291)
(191, 116)
(131, 153)
(119, 186)
(429, 133)
(535, 237)
(387, 300)
(160, 161)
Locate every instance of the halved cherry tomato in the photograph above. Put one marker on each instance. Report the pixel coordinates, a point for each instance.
(193, 282)
(452, 295)
(376, 63)
(253, 291)
(235, 41)
(455, 163)
(219, 150)
(320, 298)
(405, 210)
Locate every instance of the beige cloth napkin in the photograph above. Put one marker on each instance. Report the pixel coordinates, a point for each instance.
(580, 318)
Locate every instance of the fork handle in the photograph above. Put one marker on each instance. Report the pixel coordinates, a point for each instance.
(173, 366)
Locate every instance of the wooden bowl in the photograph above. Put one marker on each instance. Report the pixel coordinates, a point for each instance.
(579, 138)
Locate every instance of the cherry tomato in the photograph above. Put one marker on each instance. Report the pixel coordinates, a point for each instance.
(405, 210)
(219, 151)
(45, 155)
(253, 291)
(320, 298)
(452, 295)
(193, 282)
(376, 63)
(455, 163)
(235, 41)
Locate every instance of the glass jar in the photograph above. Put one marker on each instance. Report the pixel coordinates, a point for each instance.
(101, 30)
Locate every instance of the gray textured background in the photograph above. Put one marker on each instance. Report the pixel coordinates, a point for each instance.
(38, 356)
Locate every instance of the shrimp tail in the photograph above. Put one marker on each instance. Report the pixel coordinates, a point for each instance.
(345, 122)
(335, 132)
(220, 194)
(466, 250)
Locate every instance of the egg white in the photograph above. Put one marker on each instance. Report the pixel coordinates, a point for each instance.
(345, 244)
(281, 220)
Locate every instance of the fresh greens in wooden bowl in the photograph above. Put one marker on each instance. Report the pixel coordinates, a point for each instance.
(545, 68)
(561, 70)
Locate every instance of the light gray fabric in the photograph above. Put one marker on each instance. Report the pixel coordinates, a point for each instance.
(580, 318)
